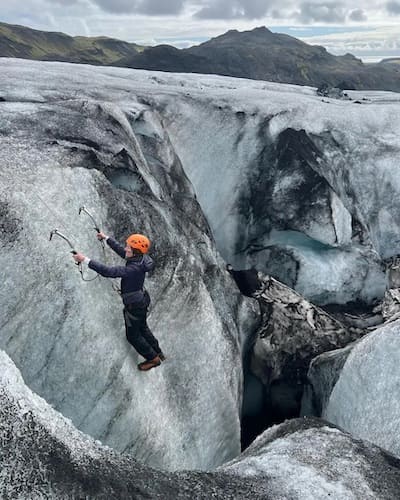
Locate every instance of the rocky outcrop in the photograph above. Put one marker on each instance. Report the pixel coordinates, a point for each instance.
(292, 332)
(390, 306)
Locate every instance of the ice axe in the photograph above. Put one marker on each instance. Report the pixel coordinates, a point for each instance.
(96, 226)
(73, 251)
(84, 209)
(61, 235)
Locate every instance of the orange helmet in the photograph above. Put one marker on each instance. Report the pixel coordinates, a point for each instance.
(139, 242)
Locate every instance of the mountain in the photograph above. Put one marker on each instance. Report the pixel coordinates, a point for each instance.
(390, 60)
(258, 54)
(19, 41)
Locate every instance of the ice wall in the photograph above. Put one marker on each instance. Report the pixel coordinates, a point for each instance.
(307, 187)
(44, 456)
(72, 138)
(364, 400)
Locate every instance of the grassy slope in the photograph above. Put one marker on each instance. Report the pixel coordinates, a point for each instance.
(18, 41)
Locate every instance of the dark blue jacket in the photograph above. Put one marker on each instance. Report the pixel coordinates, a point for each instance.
(132, 274)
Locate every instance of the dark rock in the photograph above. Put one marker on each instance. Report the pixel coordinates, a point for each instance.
(326, 90)
(10, 224)
(247, 280)
(292, 333)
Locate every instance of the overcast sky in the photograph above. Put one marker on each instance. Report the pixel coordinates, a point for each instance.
(371, 28)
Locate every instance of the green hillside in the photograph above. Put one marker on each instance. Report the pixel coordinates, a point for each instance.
(18, 41)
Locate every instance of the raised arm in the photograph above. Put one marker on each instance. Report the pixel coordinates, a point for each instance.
(114, 245)
(117, 247)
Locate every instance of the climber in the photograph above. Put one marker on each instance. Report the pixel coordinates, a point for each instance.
(135, 298)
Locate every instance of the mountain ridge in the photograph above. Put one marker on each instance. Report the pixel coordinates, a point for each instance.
(22, 42)
(257, 54)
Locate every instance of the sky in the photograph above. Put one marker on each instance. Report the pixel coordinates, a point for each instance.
(369, 30)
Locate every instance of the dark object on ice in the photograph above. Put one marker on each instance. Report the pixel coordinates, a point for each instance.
(326, 90)
(247, 280)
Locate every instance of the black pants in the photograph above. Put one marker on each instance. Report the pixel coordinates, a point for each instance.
(139, 334)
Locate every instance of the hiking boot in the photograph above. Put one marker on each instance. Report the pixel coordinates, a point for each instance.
(161, 355)
(149, 364)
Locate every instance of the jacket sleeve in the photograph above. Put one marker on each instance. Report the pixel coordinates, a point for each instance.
(148, 263)
(117, 247)
(109, 271)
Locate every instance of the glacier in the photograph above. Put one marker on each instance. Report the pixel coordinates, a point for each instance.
(265, 146)
(213, 169)
(60, 149)
(363, 401)
(45, 456)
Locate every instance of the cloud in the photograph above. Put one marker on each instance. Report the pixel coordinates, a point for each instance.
(393, 7)
(117, 6)
(160, 7)
(326, 12)
(357, 15)
(147, 7)
(63, 2)
(382, 41)
(180, 44)
(233, 9)
(179, 22)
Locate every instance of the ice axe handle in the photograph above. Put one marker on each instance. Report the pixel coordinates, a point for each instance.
(75, 252)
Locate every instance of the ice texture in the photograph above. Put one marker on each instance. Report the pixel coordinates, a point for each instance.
(301, 188)
(44, 456)
(265, 159)
(364, 400)
(72, 136)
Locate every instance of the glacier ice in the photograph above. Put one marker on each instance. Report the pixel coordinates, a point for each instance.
(364, 399)
(283, 161)
(44, 456)
(288, 184)
(68, 140)
(294, 164)
(308, 459)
